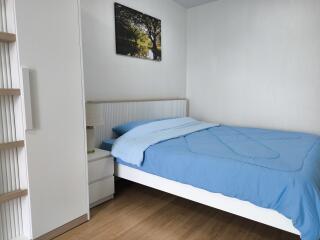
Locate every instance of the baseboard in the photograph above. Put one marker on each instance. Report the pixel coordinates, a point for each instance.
(65, 228)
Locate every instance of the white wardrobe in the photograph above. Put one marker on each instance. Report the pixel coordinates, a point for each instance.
(49, 43)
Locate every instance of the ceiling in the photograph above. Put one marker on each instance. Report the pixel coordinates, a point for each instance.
(192, 3)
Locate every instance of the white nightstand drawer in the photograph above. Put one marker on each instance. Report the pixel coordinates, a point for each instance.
(101, 168)
(101, 190)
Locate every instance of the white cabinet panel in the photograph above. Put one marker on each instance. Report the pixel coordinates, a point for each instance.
(50, 45)
(101, 190)
(101, 168)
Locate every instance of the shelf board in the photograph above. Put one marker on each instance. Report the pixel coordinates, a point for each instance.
(7, 37)
(12, 195)
(10, 92)
(11, 145)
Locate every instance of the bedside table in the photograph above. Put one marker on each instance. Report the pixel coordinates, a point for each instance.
(101, 177)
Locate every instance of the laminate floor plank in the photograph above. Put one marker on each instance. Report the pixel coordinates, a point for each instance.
(141, 213)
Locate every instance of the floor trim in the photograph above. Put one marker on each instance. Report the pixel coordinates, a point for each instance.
(61, 230)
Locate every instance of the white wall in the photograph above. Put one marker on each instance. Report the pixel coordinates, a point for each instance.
(255, 63)
(114, 77)
(49, 43)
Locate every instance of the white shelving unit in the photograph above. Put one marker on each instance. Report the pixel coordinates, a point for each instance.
(14, 201)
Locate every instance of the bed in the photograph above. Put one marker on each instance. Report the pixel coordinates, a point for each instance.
(247, 172)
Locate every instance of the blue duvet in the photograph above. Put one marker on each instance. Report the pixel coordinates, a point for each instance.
(271, 169)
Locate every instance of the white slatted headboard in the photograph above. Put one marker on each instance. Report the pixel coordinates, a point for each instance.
(124, 111)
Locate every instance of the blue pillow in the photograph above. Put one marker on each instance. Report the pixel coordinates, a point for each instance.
(124, 128)
(107, 144)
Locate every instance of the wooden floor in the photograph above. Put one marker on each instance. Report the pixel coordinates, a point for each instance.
(141, 213)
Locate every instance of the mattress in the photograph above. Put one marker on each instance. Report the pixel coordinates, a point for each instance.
(271, 169)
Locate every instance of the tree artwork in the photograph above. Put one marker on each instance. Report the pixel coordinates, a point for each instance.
(137, 34)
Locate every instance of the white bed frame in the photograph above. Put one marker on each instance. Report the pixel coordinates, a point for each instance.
(121, 112)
